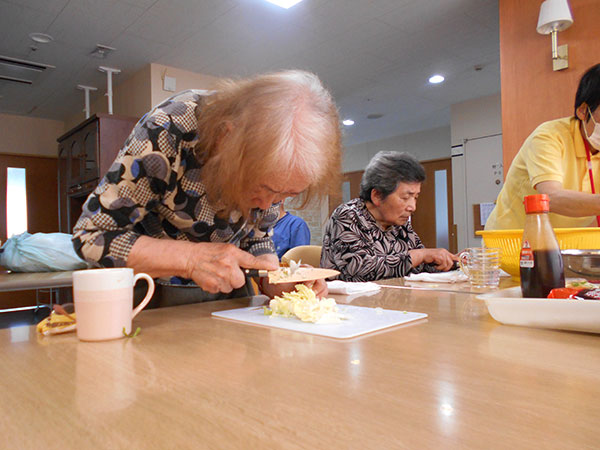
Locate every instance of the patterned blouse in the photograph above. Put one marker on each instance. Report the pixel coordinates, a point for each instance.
(355, 245)
(153, 188)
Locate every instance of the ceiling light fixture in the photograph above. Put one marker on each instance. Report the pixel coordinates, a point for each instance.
(375, 116)
(348, 122)
(286, 4)
(41, 38)
(435, 79)
(101, 51)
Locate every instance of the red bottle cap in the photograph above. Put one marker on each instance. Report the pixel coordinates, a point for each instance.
(538, 203)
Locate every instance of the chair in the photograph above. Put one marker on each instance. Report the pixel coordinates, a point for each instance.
(309, 254)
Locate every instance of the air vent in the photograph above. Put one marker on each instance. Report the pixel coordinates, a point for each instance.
(13, 70)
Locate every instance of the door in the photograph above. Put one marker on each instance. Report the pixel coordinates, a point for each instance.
(484, 180)
(433, 220)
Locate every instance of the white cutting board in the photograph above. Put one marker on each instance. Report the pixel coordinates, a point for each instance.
(358, 320)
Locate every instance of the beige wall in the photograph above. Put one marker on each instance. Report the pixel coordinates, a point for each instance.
(136, 95)
(29, 136)
(131, 98)
(184, 80)
(424, 145)
(475, 118)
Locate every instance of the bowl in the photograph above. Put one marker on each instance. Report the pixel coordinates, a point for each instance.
(582, 262)
(510, 243)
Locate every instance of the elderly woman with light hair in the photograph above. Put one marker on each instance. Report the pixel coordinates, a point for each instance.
(192, 196)
(371, 238)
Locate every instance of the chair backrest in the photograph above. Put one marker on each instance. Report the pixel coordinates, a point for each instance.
(309, 254)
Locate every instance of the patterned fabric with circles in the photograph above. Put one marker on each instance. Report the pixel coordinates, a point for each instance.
(154, 188)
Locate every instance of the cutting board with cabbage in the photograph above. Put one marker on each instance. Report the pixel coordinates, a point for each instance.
(301, 311)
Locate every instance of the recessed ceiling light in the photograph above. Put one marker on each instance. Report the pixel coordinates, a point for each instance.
(348, 122)
(284, 3)
(435, 79)
(41, 38)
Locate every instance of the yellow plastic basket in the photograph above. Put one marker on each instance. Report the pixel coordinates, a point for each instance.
(510, 243)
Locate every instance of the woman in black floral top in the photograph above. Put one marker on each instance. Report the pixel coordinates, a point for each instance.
(370, 238)
(194, 192)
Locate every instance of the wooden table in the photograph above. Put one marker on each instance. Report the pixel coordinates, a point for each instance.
(457, 380)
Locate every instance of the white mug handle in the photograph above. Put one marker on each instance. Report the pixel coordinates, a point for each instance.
(148, 296)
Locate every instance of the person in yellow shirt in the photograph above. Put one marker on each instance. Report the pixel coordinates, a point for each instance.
(554, 161)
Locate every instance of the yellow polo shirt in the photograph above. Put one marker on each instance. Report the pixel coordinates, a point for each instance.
(553, 152)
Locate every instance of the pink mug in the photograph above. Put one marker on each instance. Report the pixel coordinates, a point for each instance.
(104, 302)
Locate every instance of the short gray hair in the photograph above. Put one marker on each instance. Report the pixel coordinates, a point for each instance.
(386, 170)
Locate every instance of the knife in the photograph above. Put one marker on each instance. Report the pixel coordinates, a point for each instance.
(302, 274)
(256, 273)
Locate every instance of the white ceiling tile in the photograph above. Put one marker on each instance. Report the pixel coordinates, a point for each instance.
(374, 55)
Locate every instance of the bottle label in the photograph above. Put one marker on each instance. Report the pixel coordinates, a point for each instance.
(526, 261)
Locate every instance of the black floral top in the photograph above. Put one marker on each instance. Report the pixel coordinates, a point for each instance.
(154, 188)
(355, 244)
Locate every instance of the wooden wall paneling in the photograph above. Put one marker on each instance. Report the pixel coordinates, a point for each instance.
(532, 92)
(112, 140)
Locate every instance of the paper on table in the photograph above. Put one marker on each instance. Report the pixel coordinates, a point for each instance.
(453, 276)
(346, 287)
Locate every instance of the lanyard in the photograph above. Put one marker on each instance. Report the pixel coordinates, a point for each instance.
(588, 155)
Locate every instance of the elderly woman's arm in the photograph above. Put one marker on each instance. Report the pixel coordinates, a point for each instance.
(215, 267)
(440, 258)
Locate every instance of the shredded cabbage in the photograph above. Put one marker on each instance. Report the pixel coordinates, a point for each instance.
(304, 304)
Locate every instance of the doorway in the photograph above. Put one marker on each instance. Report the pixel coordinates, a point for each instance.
(434, 219)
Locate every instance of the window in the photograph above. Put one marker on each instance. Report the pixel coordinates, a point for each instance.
(16, 201)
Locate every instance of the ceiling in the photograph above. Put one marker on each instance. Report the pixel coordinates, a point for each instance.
(375, 55)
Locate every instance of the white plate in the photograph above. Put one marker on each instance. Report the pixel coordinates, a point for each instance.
(507, 306)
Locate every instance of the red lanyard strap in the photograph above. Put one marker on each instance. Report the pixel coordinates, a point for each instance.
(588, 155)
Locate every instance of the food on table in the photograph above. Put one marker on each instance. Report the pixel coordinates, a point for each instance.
(304, 304)
(578, 290)
(565, 292)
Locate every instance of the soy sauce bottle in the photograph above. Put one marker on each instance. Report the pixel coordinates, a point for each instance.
(541, 264)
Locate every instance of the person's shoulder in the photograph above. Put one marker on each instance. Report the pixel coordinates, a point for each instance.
(352, 208)
(179, 110)
(296, 219)
(560, 126)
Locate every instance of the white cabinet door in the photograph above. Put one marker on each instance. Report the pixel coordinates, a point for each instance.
(483, 177)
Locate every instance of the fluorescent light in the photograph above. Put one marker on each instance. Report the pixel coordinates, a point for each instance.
(284, 3)
(348, 122)
(435, 79)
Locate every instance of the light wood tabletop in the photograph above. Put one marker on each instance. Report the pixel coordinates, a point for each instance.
(455, 380)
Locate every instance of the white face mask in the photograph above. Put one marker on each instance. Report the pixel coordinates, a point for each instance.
(594, 138)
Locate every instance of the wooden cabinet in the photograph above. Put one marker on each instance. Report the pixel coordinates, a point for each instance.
(85, 153)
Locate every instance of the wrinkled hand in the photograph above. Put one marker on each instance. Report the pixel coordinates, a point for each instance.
(217, 267)
(441, 258)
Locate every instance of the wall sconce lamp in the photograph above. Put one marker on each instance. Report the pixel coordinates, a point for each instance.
(555, 16)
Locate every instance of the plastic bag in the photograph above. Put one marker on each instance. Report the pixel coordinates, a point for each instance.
(40, 252)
